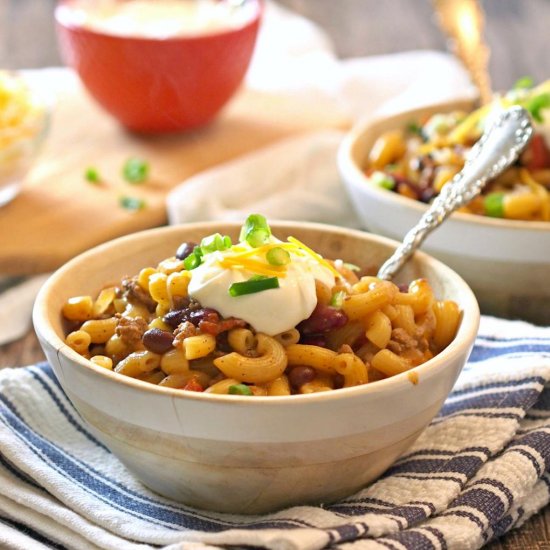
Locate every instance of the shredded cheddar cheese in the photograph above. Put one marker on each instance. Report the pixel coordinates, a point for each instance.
(315, 256)
(254, 266)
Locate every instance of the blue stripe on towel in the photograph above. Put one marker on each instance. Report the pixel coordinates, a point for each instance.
(482, 353)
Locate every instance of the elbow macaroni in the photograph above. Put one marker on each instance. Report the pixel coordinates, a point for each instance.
(387, 332)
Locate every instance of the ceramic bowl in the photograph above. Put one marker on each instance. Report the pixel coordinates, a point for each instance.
(240, 454)
(506, 262)
(157, 85)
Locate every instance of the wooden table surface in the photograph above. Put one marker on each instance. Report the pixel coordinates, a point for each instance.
(516, 31)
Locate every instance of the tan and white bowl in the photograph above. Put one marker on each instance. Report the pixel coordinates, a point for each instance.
(506, 262)
(240, 454)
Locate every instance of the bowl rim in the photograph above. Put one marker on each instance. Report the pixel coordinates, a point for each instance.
(347, 165)
(461, 344)
(83, 30)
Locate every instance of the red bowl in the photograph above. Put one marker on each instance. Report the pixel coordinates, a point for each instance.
(155, 85)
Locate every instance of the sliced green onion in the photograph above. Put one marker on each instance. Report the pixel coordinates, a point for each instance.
(92, 175)
(523, 83)
(494, 205)
(255, 231)
(382, 180)
(536, 104)
(194, 259)
(215, 242)
(253, 285)
(239, 389)
(135, 170)
(277, 256)
(414, 128)
(337, 299)
(132, 203)
(351, 267)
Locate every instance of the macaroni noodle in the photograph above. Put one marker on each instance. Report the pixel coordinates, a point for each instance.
(361, 330)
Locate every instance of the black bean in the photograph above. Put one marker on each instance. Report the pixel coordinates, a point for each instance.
(323, 319)
(184, 250)
(157, 340)
(300, 375)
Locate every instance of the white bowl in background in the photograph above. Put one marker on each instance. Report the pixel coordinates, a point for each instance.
(506, 262)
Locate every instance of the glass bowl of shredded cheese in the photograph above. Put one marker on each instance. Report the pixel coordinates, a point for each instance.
(23, 124)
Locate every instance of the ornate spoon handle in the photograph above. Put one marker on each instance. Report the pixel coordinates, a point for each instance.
(499, 146)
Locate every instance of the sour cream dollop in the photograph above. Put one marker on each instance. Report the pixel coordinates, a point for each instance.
(158, 19)
(270, 311)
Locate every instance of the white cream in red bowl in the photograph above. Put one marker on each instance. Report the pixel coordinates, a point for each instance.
(242, 441)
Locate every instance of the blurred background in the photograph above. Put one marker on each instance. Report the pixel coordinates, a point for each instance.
(516, 31)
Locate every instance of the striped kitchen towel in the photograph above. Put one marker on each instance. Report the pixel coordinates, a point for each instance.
(480, 469)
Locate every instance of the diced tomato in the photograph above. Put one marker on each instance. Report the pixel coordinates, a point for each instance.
(193, 385)
(538, 154)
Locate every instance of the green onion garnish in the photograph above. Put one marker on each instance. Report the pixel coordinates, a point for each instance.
(132, 203)
(92, 175)
(494, 205)
(523, 83)
(215, 242)
(337, 299)
(536, 104)
(239, 389)
(253, 285)
(351, 267)
(414, 128)
(194, 259)
(135, 170)
(382, 180)
(255, 231)
(277, 256)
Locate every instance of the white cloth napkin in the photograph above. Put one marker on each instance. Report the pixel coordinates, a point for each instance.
(480, 469)
(298, 178)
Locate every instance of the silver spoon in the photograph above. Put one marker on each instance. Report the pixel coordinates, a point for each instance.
(499, 146)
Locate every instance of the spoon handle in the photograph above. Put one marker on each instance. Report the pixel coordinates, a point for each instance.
(499, 146)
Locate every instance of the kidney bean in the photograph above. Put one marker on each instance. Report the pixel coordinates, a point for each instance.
(197, 316)
(176, 317)
(323, 319)
(314, 340)
(300, 375)
(184, 250)
(157, 340)
(426, 195)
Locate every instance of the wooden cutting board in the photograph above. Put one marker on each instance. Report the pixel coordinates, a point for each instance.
(59, 214)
